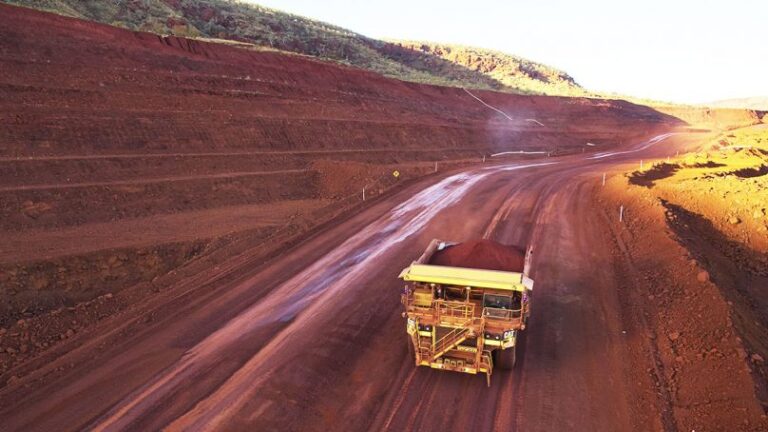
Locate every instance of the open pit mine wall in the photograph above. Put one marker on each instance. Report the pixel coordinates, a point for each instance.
(71, 87)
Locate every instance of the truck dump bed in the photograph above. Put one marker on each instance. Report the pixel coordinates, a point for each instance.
(471, 264)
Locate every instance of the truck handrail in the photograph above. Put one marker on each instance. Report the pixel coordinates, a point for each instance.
(451, 309)
(500, 313)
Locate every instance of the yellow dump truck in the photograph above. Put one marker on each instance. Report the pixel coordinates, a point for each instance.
(466, 316)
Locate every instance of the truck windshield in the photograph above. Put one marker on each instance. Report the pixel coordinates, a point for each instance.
(497, 301)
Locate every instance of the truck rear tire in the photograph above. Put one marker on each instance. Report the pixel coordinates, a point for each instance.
(505, 359)
(411, 350)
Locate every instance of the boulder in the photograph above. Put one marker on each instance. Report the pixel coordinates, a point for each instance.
(702, 276)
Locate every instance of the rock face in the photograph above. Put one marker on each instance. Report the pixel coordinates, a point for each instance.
(703, 276)
(481, 254)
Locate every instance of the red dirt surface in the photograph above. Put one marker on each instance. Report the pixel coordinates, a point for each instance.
(698, 235)
(481, 254)
(250, 303)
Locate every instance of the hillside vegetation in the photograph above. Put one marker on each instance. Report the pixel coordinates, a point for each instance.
(510, 71)
(244, 22)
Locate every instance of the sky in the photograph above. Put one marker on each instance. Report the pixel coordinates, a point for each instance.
(683, 51)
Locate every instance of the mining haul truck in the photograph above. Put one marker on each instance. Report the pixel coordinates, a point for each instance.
(465, 305)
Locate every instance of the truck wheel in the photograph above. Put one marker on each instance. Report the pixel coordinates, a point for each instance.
(505, 359)
(411, 349)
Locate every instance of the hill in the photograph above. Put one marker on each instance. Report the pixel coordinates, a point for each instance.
(511, 71)
(428, 63)
(759, 103)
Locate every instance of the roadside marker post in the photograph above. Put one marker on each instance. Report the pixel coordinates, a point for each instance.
(621, 214)
(435, 166)
(483, 158)
(603, 179)
(363, 193)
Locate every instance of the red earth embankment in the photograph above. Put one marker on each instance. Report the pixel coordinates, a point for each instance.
(82, 88)
(718, 118)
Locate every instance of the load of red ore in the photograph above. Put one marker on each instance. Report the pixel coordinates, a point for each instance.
(481, 254)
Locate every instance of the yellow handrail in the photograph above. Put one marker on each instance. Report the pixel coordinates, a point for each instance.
(451, 338)
(502, 313)
(489, 366)
(454, 309)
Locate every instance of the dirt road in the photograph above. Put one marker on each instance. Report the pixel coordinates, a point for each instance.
(315, 341)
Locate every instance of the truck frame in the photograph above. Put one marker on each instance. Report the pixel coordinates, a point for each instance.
(464, 319)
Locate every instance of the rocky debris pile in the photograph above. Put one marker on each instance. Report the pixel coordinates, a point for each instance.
(481, 254)
(27, 338)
